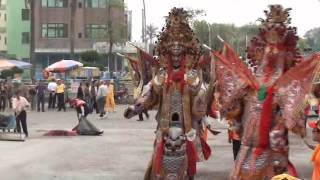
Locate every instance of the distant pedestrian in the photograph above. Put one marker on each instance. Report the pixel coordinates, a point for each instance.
(3, 97)
(52, 86)
(32, 97)
(86, 92)
(60, 94)
(101, 98)
(80, 94)
(93, 94)
(41, 89)
(9, 88)
(315, 158)
(110, 104)
(19, 104)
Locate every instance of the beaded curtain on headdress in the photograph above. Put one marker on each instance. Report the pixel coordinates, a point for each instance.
(278, 21)
(178, 30)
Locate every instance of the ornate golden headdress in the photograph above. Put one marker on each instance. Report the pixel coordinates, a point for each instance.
(278, 15)
(276, 25)
(178, 30)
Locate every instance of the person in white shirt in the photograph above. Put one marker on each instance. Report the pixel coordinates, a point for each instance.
(19, 104)
(52, 94)
(101, 98)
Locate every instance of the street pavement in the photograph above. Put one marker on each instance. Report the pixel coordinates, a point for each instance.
(121, 153)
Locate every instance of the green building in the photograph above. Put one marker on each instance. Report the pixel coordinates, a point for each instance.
(18, 29)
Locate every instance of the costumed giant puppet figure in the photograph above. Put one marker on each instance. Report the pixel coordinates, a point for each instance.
(178, 90)
(272, 100)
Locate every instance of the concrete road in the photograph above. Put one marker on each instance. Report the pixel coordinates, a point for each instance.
(122, 153)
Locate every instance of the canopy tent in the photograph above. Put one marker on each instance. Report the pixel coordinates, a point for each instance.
(8, 64)
(63, 66)
(86, 72)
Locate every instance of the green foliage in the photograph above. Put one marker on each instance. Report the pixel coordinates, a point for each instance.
(235, 36)
(117, 28)
(302, 45)
(92, 58)
(312, 39)
(10, 72)
(151, 32)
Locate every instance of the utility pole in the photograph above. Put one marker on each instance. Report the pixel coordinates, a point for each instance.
(144, 26)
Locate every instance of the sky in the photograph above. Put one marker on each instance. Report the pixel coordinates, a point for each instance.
(305, 14)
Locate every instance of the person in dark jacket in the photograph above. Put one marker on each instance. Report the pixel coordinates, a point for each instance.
(3, 97)
(80, 94)
(40, 89)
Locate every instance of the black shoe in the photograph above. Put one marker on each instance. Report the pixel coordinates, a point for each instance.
(100, 132)
(139, 119)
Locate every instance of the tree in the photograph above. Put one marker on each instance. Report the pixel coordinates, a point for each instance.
(73, 6)
(312, 38)
(31, 5)
(151, 32)
(92, 58)
(237, 37)
(116, 25)
(302, 45)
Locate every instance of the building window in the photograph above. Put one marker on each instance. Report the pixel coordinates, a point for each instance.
(96, 31)
(5, 17)
(5, 40)
(25, 14)
(54, 3)
(96, 3)
(25, 38)
(54, 30)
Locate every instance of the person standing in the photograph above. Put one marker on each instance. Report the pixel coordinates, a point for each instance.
(32, 96)
(9, 92)
(60, 94)
(101, 98)
(52, 86)
(86, 92)
(93, 94)
(3, 97)
(80, 94)
(41, 89)
(19, 104)
(110, 104)
(315, 158)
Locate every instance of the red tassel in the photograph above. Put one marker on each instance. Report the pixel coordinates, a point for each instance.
(292, 170)
(205, 149)
(158, 159)
(192, 158)
(265, 123)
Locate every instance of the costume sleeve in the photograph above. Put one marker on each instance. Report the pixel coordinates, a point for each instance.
(148, 97)
(291, 92)
(231, 88)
